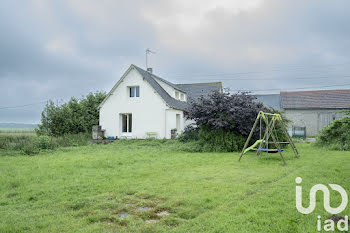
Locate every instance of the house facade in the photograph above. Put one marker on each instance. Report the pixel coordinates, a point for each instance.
(143, 105)
(311, 110)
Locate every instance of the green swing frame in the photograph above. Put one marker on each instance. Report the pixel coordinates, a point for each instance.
(270, 120)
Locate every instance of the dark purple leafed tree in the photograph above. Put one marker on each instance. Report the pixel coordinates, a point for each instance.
(234, 113)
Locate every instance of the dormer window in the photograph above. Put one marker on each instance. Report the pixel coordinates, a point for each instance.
(134, 91)
(182, 97)
(176, 95)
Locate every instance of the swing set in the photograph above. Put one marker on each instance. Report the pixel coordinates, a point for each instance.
(271, 120)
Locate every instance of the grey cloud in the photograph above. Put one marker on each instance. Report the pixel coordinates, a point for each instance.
(57, 49)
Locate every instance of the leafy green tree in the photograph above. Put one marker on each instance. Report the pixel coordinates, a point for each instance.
(336, 135)
(75, 116)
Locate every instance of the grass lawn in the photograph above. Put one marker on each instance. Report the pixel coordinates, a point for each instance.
(85, 189)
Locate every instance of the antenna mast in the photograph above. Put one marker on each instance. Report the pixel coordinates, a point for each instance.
(148, 51)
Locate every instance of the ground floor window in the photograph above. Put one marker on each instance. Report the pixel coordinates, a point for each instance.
(126, 123)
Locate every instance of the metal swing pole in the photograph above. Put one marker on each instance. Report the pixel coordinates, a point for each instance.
(264, 138)
(291, 143)
(249, 137)
(275, 141)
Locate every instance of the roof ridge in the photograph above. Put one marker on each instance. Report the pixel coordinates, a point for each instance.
(315, 91)
(198, 83)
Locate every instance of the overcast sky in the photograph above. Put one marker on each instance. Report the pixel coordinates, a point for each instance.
(58, 49)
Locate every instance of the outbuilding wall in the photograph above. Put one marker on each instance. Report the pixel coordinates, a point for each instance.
(313, 119)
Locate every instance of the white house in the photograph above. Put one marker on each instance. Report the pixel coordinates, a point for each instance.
(142, 104)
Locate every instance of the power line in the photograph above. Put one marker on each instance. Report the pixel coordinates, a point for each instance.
(252, 72)
(281, 79)
(22, 106)
(298, 88)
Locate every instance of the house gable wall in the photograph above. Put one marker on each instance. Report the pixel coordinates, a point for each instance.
(148, 110)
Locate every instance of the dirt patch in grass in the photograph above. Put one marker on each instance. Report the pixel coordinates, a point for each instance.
(12, 195)
(107, 208)
(163, 214)
(145, 208)
(152, 221)
(124, 215)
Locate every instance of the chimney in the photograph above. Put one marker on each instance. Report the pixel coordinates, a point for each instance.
(150, 70)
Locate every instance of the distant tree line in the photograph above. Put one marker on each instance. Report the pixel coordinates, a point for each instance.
(75, 116)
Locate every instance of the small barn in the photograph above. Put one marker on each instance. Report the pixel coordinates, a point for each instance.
(309, 111)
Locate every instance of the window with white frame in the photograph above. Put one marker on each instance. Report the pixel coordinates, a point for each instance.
(126, 123)
(176, 95)
(182, 97)
(134, 91)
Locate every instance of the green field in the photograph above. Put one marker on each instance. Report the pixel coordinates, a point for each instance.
(85, 189)
(15, 131)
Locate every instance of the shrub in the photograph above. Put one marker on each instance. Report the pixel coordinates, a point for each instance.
(223, 121)
(235, 113)
(336, 135)
(30, 149)
(205, 140)
(190, 133)
(75, 116)
(43, 142)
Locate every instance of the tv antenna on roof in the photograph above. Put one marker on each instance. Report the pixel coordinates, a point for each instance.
(148, 51)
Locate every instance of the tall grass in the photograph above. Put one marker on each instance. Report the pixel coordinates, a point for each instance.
(15, 142)
(15, 131)
(32, 144)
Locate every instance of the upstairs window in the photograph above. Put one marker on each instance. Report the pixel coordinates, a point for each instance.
(182, 97)
(176, 95)
(134, 91)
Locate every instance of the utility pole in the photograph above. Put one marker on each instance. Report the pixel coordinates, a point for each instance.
(148, 51)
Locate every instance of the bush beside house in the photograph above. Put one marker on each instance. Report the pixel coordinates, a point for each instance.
(336, 135)
(75, 116)
(222, 121)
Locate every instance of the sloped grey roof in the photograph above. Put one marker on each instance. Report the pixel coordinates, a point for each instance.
(169, 83)
(196, 90)
(270, 100)
(172, 102)
(331, 99)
